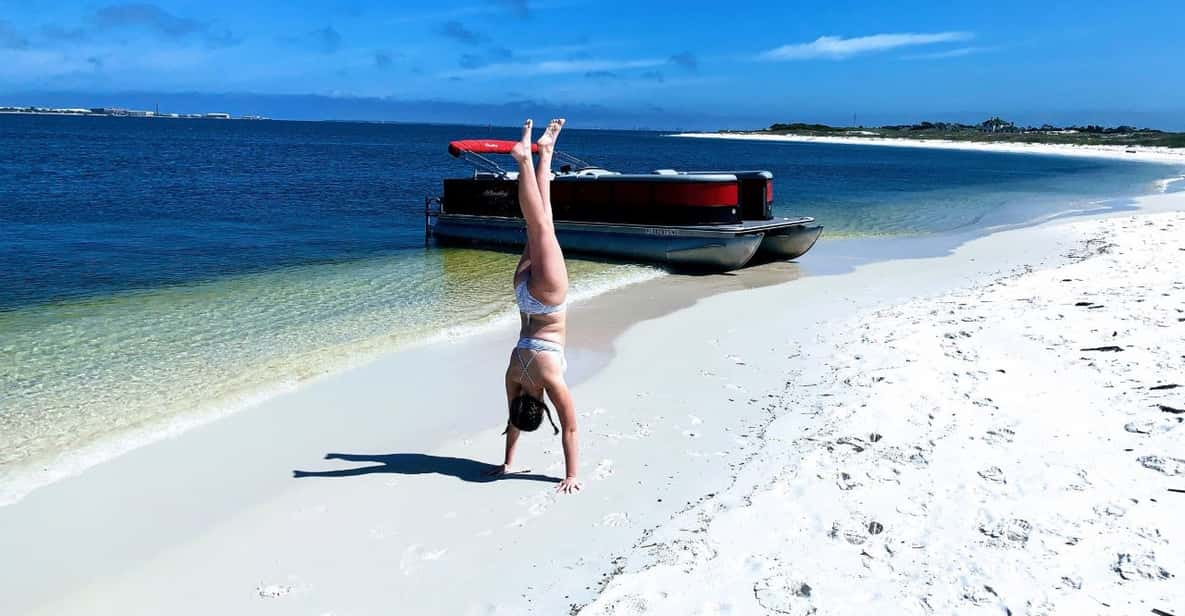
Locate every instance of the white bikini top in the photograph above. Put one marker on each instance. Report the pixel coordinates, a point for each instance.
(528, 305)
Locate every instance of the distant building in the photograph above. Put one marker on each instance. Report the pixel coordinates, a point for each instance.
(121, 112)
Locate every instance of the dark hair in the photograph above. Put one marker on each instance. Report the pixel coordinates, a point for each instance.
(526, 413)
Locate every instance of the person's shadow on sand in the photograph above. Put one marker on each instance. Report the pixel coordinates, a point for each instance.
(420, 464)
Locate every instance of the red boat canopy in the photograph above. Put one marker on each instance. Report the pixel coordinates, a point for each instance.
(483, 146)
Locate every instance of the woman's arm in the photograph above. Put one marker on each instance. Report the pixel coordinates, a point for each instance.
(511, 439)
(513, 388)
(524, 264)
(557, 391)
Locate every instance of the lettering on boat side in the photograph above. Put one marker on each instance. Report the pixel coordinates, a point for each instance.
(495, 193)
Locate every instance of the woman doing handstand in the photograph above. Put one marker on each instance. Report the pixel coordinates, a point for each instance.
(541, 288)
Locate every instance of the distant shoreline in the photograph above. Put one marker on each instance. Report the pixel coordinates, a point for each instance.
(100, 112)
(1151, 154)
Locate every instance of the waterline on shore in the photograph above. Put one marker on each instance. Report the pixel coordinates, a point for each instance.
(98, 377)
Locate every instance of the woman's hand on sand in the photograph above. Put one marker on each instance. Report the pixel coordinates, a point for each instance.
(503, 469)
(569, 486)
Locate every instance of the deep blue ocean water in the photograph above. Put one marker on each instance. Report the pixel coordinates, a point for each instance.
(153, 268)
(90, 206)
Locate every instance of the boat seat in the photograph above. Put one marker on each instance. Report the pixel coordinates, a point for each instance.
(596, 172)
(665, 172)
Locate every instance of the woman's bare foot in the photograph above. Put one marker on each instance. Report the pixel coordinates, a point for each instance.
(550, 134)
(522, 150)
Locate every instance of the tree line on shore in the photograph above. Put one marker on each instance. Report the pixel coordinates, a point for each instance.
(991, 125)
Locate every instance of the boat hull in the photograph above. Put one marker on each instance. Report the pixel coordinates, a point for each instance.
(789, 242)
(705, 247)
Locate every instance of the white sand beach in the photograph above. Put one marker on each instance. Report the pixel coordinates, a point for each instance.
(922, 435)
(1008, 447)
(1137, 153)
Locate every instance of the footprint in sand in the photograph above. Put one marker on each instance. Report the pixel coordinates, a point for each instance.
(1113, 510)
(999, 436)
(1153, 426)
(691, 434)
(1079, 483)
(784, 595)
(1070, 582)
(855, 443)
(628, 604)
(736, 359)
(695, 421)
(1163, 464)
(851, 535)
(1134, 567)
(272, 591)
(846, 481)
(1015, 531)
(603, 470)
(913, 508)
(979, 594)
(884, 472)
(914, 456)
(615, 520)
(993, 473)
(684, 553)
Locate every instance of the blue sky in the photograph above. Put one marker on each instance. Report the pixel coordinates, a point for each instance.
(700, 64)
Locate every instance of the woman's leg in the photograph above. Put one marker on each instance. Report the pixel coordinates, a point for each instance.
(546, 150)
(549, 274)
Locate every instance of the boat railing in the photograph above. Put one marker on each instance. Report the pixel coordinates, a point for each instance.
(486, 164)
(430, 213)
(482, 163)
(565, 157)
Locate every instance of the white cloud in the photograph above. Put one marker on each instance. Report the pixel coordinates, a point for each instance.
(950, 53)
(556, 67)
(485, 8)
(838, 48)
